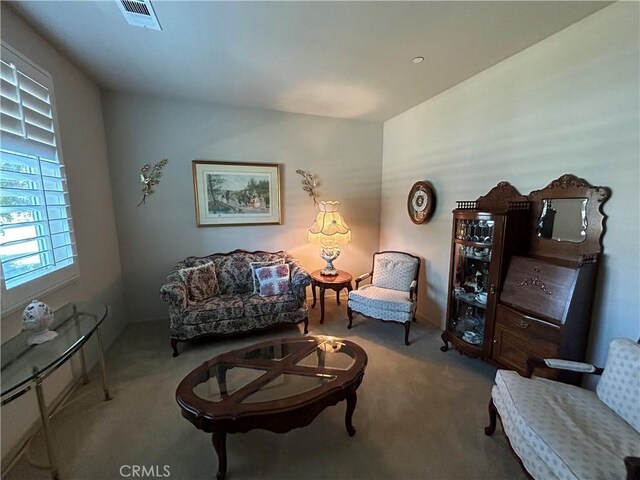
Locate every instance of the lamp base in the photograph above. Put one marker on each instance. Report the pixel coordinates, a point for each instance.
(329, 272)
(329, 254)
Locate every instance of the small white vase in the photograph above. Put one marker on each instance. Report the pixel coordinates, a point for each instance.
(36, 319)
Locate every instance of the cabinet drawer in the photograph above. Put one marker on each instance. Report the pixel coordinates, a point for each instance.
(518, 337)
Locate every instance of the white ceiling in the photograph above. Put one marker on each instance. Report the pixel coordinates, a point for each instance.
(337, 59)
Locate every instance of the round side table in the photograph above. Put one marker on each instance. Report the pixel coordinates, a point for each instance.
(332, 282)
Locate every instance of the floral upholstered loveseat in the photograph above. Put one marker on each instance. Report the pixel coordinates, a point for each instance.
(235, 305)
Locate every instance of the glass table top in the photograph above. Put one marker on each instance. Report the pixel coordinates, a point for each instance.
(287, 385)
(330, 354)
(277, 371)
(225, 379)
(21, 363)
(274, 352)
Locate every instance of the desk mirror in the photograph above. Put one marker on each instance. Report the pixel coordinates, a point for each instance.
(569, 221)
(563, 219)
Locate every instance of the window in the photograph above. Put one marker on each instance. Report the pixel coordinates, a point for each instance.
(37, 245)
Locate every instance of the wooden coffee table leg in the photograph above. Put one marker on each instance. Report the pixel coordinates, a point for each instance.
(352, 399)
(219, 439)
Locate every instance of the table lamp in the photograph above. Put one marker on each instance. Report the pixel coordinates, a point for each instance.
(329, 231)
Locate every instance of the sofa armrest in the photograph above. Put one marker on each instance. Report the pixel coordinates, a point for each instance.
(174, 291)
(300, 277)
(362, 278)
(559, 364)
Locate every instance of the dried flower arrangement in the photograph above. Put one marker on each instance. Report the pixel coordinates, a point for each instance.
(151, 179)
(309, 184)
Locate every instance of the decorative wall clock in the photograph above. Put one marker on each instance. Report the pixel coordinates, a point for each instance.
(421, 202)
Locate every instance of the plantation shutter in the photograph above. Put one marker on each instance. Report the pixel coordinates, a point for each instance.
(36, 233)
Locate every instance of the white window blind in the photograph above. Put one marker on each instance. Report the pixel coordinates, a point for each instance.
(37, 245)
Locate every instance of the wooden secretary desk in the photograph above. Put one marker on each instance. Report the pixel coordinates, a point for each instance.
(538, 303)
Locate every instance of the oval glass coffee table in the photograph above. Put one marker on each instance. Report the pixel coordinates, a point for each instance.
(276, 385)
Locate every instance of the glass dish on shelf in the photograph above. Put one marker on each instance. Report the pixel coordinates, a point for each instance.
(466, 296)
(480, 252)
(472, 337)
(471, 322)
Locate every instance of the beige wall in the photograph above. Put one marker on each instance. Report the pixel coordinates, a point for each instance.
(84, 150)
(345, 154)
(568, 104)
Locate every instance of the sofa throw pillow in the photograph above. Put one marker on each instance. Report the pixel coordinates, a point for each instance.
(274, 280)
(255, 265)
(202, 282)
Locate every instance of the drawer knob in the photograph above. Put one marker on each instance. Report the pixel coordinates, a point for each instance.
(522, 323)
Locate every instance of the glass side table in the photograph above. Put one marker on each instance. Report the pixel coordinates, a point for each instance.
(25, 366)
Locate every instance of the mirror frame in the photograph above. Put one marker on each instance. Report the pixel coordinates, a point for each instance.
(570, 186)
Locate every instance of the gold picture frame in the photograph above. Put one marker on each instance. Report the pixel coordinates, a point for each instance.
(234, 193)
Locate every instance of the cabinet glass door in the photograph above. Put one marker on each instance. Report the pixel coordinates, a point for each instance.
(471, 281)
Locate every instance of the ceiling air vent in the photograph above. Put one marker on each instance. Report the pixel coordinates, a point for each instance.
(139, 13)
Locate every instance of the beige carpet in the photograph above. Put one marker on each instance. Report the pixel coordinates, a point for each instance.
(420, 415)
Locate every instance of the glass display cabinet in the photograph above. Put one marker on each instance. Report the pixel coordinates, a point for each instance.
(472, 277)
(485, 233)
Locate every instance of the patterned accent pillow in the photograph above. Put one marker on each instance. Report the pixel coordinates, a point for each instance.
(202, 282)
(255, 266)
(274, 280)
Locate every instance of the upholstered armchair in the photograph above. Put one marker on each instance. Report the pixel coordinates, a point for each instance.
(392, 295)
(561, 431)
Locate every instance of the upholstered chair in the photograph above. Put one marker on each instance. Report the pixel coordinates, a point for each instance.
(392, 294)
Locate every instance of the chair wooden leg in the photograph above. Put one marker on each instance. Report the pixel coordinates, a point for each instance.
(632, 465)
(407, 327)
(493, 413)
(350, 314)
(174, 345)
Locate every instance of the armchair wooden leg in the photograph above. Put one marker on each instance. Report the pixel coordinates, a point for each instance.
(350, 314)
(407, 327)
(493, 413)
(306, 325)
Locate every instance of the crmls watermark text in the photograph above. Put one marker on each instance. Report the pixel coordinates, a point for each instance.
(144, 471)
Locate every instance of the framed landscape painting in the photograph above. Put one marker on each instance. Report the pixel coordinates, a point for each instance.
(230, 193)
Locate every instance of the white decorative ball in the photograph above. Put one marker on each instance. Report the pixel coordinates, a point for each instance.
(36, 318)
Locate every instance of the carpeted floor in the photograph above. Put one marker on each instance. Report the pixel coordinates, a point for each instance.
(420, 415)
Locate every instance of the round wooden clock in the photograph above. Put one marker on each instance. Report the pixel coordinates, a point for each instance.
(421, 202)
